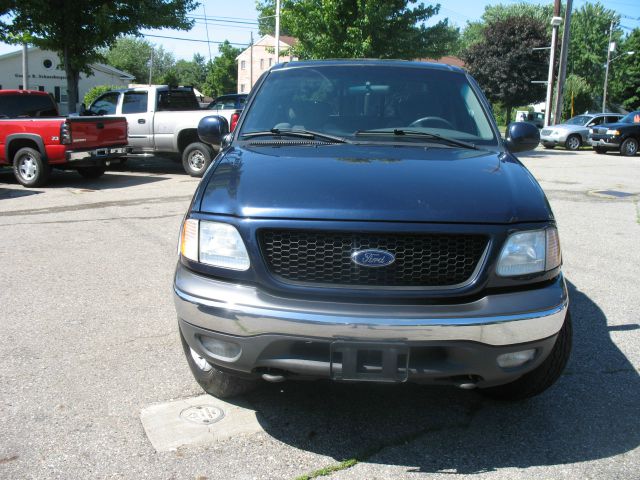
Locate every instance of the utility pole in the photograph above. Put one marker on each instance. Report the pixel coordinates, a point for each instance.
(556, 20)
(206, 27)
(151, 65)
(25, 67)
(606, 72)
(564, 51)
(277, 31)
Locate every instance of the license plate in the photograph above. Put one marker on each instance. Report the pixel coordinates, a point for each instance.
(374, 362)
(117, 150)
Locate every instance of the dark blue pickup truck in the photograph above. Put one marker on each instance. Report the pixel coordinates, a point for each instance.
(366, 222)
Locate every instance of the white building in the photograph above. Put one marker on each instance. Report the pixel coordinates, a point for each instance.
(46, 75)
(259, 57)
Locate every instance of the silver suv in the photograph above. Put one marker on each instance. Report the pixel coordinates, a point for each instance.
(574, 133)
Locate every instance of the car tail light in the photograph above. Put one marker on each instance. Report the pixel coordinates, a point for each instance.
(65, 134)
(234, 121)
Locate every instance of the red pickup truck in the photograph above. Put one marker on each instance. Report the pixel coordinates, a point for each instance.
(33, 138)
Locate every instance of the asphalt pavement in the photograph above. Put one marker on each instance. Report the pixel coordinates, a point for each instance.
(88, 339)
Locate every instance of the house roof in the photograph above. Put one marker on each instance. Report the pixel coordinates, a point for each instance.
(447, 60)
(270, 41)
(96, 66)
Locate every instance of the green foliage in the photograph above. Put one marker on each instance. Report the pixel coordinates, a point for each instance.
(132, 55)
(362, 29)
(222, 76)
(78, 30)
(95, 92)
(504, 63)
(473, 32)
(192, 73)
(624, 73)
(578, 89)
(589, 42)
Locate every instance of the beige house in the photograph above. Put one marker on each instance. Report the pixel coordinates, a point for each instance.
(45, 74)
(259, 57)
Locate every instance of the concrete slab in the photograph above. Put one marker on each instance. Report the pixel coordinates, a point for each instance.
(196, 421)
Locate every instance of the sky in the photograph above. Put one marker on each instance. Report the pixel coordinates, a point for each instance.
(236, 20)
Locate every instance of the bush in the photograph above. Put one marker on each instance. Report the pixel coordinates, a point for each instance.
(95, 92)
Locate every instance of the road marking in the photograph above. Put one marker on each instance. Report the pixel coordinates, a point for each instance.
(196, 421)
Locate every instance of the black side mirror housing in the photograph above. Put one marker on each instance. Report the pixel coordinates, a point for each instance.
(212, 129)
(83, 110)
(521, 137)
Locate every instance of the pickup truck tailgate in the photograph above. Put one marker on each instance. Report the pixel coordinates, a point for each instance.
(91, 132)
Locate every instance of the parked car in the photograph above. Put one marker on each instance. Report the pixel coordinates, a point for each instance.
(366, 222)
(535, 118)
(163, 120)
(232, 102)
(34, 138)
(622, 136)
(574, 133)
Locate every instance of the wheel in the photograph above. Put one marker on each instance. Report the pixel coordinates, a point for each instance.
(573, 142)
(425, 121)
(30, 169)
(545, 375)
(629, 147)
(91, 172)
(213, 380)
(599, 150)
(548, 145)
(196, 158)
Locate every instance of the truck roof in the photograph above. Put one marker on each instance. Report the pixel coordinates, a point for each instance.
(369, 62)
(22, 92)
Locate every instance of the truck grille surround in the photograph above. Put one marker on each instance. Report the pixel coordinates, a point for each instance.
(324, 258)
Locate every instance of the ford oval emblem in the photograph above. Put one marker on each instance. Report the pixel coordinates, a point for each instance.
(372, 258)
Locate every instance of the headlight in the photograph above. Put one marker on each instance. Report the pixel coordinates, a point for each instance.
(613, 132)
(530, 252)
(213, 243)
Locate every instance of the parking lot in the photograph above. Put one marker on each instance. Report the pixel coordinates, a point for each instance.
(89, 339)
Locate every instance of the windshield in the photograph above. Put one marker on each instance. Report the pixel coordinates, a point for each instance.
(633, 117)
(341, 100)
(579, 120)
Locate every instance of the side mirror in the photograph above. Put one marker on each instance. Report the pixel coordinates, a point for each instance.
(212, 129)
(83, 110)
(522, 136)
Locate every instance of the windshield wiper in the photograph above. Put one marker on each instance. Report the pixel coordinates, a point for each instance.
(311, 134)
(416, 133)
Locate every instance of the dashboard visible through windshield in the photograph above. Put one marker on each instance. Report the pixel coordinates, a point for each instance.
(344, 100)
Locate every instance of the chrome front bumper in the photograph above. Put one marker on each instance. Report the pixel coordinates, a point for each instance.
(245, 311)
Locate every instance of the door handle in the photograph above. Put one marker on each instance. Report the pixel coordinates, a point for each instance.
(142, 120)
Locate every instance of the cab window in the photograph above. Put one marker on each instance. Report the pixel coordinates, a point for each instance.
(106, 104)
(134, 102)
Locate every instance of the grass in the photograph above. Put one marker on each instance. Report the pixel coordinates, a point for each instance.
(323, 472)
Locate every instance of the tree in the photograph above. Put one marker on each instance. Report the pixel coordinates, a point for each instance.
(133, 55)
(193, 73)
(589, 42)
(624, 83)
(363, 29)
(577, 96)
(504, 63)
(78, 30)
(222, 77)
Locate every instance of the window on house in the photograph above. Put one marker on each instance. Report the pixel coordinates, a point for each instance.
(243, 65)
(242, 88)
(41, 88)
(262, 64)
(270, 61)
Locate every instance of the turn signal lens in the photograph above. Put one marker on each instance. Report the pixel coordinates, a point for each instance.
(189, 239)
(554, 255)
(613, 132)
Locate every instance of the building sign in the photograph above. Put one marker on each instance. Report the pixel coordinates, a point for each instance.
(40, 75)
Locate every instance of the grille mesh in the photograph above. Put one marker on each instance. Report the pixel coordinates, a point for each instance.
(422, 260)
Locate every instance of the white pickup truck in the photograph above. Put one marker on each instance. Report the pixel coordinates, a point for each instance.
(162, 120)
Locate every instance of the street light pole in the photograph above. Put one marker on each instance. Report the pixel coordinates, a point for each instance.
(277, 31)
(555, 22)
(606, 74)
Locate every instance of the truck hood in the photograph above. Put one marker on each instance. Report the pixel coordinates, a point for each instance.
(407, 183)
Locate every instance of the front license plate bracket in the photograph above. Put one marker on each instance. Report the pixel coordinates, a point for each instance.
(374, 362)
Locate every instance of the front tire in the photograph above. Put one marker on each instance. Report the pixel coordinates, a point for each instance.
(573, 142)
(91, 173)
(30, 169)
(196, 158)
(542, 377)
(629, 147)
(213, 380)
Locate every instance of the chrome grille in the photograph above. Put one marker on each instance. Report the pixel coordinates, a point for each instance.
(324, 258)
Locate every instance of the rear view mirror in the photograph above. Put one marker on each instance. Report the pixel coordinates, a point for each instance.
(212, 129)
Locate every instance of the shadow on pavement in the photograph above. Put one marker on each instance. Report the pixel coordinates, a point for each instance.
(591, 413)
(15, 193)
